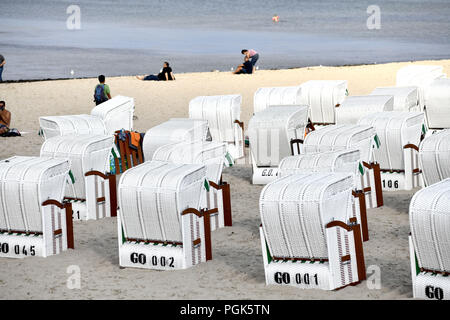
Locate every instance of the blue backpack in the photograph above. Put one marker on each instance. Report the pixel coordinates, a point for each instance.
(99, 94)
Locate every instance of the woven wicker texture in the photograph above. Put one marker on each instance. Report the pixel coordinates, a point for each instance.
(429, 215)
(266, 97)
(86, 153)
(342, 137)
(54, 126)
(355, 107)
(220, 112)
(405, 98)
(116, 113)
(271, 130)
(173, 130)
(322, 96)
(420, 76)
(211, 154)
(395, 130)
(295, 209)
(329, 161)
(437, 102)
(434, 157)
(25, 183)
(153, 195)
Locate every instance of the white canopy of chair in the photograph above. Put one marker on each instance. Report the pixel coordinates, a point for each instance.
(405, 98)
(271, 131)
(223, 114)
(173, 130)
(25, 183)
(106, 118)
(86, 153)
(437, 102)
(355, 107)
(295, 210)
(420, 76)
(429, 217)
(322, 97)
(270, 96)
(434, 157)
(342, 137)
(153, 195)
(210, 153)
(329, 161)
(395, 130)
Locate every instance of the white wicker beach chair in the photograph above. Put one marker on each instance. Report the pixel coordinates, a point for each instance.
(272, 134)
(429, 216)
(106, 118)
(344, 137)
(223, 114)
(309, 238)
(276, 96)
(33, 219)
(400, 135)
(173, 130)
(405, 98)
(437, 104)
(93, 191)
(322, 97)
(434, 157)
(355, 107)
(345, 161)
(420, 76)
(213, 155)
(160, 223)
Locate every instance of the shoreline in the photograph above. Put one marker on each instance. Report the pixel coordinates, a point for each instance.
(220, 71)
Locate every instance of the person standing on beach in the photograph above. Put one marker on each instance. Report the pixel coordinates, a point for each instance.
(5, 118)
(102, 92)
(2, 63)
(252, 55)
(166, 74)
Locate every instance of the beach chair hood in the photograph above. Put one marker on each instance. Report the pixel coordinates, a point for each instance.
(266, 97)
(221, 112)
(153, 195)
(355, 107)
(395, 130)
(295, 210)
(437, 103)
(405, 98)
(434, 156)
(322, 97)
(25, 183)
(173, 130)
(86, 153)
(117, 113)
(271, 130)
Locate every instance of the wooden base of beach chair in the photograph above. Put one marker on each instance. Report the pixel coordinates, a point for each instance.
(428, 284)
(371, 185)
(163, 255)
(56, 237)
(219, 197)
(408, 179)
(344, 267)
(101, 198)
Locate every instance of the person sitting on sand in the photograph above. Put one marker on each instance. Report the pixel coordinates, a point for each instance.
(252, 55)
(165, 74)
(245, 68)
(102, 92)
(5, 118)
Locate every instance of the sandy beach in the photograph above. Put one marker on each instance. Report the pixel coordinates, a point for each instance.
(236, 271)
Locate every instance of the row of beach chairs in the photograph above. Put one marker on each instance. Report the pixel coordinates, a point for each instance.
(326, 158)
